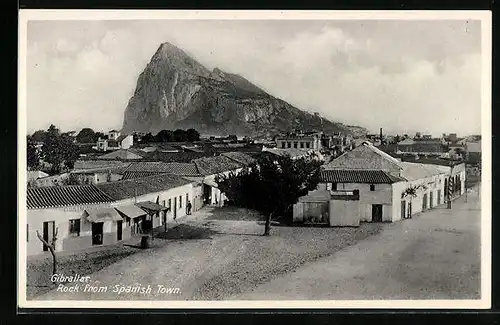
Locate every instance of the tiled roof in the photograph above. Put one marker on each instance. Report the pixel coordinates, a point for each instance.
(95, 164)
(120, 169)
(422, 147)
(187, 156)
(358, 176)
(364, 157)
(240, 157)
(176, 168)
(215, 165)
(139, 174)
(292, 152)
(129, 188)
(59, 196)
(122, 154)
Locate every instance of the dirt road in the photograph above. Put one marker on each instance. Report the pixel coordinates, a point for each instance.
(435, 255)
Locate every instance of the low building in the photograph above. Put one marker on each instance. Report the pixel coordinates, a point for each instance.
(113, 135)
(300, 141)
(33, 175)
(83, 216)
(61, 211)
(423, 148)
(96, 176)
(368, 185)
(207, 189)
(123, 154)
(54, 180)
(292, 153)
(125, 141)
(473, 151)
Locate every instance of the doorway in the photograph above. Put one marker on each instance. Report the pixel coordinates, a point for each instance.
(175, 207)
(377, 213)
(424, 202)
(439, 197)
(431, 196)
(119, 230)
(49, 228)
(207, 194)
(97, 229)
(403, 209)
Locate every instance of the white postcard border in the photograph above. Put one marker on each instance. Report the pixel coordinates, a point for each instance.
(486, 32)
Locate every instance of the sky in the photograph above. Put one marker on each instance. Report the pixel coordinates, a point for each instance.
(402, 76)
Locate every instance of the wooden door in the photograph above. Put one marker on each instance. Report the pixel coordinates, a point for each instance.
(424, 202)
(119, 230)
(403, 209)
(377, 213)
(175, 207)
(439, 197)
(97, 232)
(49, 228)
(431, 197)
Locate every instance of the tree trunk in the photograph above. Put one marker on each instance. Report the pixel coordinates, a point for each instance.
(52, 251)
(267, 227)
(54, 260)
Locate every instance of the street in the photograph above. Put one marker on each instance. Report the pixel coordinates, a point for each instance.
(435, 255)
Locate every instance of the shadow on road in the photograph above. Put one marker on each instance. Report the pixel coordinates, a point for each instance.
(185, 232)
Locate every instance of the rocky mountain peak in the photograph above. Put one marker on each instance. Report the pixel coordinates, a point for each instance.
(176, 91)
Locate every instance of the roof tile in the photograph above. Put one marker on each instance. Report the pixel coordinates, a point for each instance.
(358, 176)
(57, 196)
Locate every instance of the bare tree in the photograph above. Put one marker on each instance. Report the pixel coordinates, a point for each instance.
(52, 248)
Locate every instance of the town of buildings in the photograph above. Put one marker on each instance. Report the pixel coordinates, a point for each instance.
(123, 189)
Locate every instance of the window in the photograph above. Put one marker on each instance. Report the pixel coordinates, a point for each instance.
(27, 233)
(164, 203)
(295, 144)
(334, 186)
(302, 145)
(180, 201)
(289, 144)
(372, 187)
(74, 227)
(170, 204)
(187, 197)
(282, 145)
(308, 145)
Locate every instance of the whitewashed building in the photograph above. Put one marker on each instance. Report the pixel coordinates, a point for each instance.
(368, 185)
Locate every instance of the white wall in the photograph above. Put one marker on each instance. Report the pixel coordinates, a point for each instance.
(61, 216)
(127, 142)
(433, 184)
(381, 195)
(164, 196)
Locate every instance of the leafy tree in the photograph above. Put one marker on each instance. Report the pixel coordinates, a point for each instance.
(86, 135)
(411, 192)
(192, 135)
(271, 185)
(165, 136)
(33, 159)
(59, 150)
(180, 135)
(148, 138)
(98, 135)
(39, 136)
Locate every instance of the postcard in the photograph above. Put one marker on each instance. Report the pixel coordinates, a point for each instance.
(254, 159)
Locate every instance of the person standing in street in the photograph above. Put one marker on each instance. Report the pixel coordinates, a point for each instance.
(188, 207)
